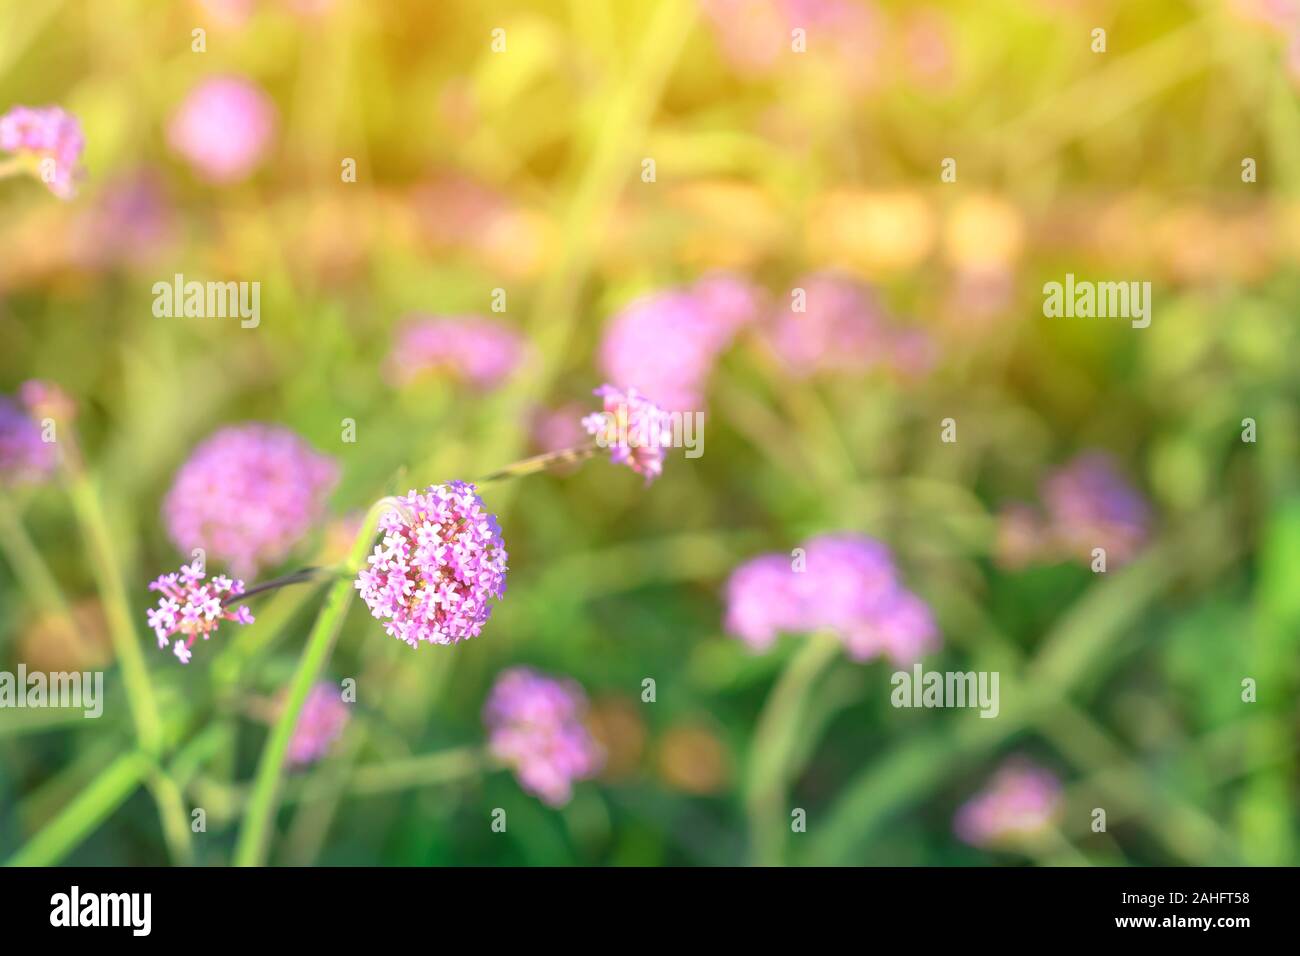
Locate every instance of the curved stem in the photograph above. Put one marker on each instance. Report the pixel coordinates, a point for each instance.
(297, 577)
(530, 466)
(112, 591)
(776, 744)
(28, 565)
(251, 848)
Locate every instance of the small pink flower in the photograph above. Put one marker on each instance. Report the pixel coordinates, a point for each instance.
(635, 430)
(51, 136)
(481, 352)
(223, 128)
(189, 608)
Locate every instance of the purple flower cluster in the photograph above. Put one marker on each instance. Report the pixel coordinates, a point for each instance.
(635, 430)
(25, 457)
(1088, 504)
(47, 133)
(844, 328)
(665, 345)
(191, 609)
(247, 495)
(223, 128)
(323, 717)
(844, 583)
(1020, 801)
(441, 560)
(479, 351)
(535, 727)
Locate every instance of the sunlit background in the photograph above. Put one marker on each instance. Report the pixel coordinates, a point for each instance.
(824, 224)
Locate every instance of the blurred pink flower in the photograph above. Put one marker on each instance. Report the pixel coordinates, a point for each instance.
(130, 223)
(479, 351)
(45, 399)
(25, 456)
(1022, 536)
(664, 345)
(50, 135)
(927, 48)
(847, 584)
(322, 719)
(247, 495)
(535, 726)
(553, 429)
(1090, 505)
(844, 328)
(756, 36)
(1020, 801)
(223, 128)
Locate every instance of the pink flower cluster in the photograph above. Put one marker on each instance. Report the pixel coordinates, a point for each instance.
(247, 495)
(223, 129)
(634, 429)
(323, 717)
(191, 609)
(1088, 505)
(535, 727)
(665, 345)
(843, 328)
(441, 560)
(844, 583)
(1020, 801)
(25, 456)
(47, 133)
(478, 351)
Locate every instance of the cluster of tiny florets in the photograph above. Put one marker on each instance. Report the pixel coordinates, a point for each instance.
(440, 562)
(190, 608)
(634, 429)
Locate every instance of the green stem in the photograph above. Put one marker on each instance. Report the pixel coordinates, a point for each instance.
(530, 466)
(776, 742)
(251, 848)
(28, 565)
(80, 817)
(121, 626)
(444, 766)
(175, 819)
